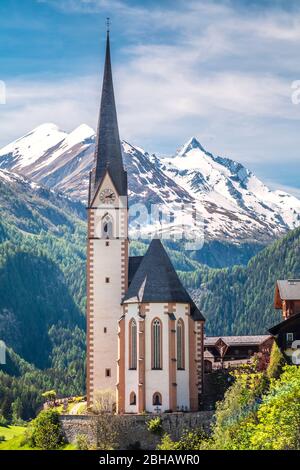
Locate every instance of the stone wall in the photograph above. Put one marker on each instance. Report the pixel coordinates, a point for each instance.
(132, 432)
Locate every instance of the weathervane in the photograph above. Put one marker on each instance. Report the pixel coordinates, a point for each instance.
(107, 24)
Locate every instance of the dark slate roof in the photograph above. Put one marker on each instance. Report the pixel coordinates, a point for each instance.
(289, 289)
(236, 340)
(108, 153)
(134, 262)
(289, 321)
(156, 280)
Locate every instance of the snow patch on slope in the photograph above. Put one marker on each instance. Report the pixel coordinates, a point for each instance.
(29, 148)
(232, 202)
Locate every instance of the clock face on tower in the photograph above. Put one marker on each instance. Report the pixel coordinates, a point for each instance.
(107, 196)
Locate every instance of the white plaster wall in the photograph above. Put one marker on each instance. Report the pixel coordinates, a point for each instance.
(107, 311)
(182, 376)
(106, 262)
(157, 380)
(131, 376)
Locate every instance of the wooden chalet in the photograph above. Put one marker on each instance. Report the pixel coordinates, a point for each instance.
(287, 333)
(227, 351)
(287, 297)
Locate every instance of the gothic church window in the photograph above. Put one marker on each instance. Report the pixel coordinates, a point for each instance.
(132, 344)
(180, 344)
(156, 344)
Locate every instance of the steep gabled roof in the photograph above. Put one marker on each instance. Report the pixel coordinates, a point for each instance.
(236, 340)
(289, 289)
(156, 280)
(108, 153)
(275, 330)
(134, 262)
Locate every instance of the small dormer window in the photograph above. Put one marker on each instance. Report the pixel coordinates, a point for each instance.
(290, 337)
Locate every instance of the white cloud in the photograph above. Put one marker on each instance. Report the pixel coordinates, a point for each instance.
(67, 103)
(202, 68)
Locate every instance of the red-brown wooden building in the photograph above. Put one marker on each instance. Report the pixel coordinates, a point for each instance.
(229, 351)
(287, 333)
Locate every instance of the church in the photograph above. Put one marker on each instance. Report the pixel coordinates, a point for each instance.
(144, 332)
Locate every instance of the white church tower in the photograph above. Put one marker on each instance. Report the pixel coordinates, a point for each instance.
(144, 332)
(107, 248)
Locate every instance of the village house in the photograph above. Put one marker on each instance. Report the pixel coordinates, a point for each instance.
(231, 351)
(287, 333)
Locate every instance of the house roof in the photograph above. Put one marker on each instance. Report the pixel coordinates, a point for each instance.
(236, 340)
(208, 355)
(289, 289)
(276, 329)
(134, 262)
(155, 280)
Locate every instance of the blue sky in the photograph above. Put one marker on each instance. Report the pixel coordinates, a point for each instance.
(219, 70)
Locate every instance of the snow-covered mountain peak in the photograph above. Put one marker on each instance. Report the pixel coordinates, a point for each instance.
(46, 127)
(232, 202)
(27, 149)
(191, 144)
(81, 133)
(132, 149)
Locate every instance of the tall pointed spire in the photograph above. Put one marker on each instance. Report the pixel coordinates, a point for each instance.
(108, 153)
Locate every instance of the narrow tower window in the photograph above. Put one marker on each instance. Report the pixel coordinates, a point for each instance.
(180, 344)
(156, 344)
(132, 399)
(107, 226)
(132, 344)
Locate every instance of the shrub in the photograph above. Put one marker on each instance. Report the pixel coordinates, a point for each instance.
(278, 426)
(276, 364)
(105, 401)
(3, 421)
(2, 438)
(46, 431)
(154, 425)
(190, 440)
(82, 442)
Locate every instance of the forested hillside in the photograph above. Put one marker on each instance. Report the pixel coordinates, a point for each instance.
(42, 295)
(42, 292)
(240, 300)
(42, 268)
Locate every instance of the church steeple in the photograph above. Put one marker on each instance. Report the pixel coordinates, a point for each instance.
(108, 153)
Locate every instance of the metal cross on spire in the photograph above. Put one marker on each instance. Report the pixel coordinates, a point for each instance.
(107, 24)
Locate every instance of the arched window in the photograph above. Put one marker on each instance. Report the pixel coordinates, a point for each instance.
(107, 226)
(156, 344)
(132, 344)
(156, 400)
(180, 344)
(132, 399)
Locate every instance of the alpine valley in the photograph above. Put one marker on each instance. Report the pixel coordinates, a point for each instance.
(239, 214)
(251, 235)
